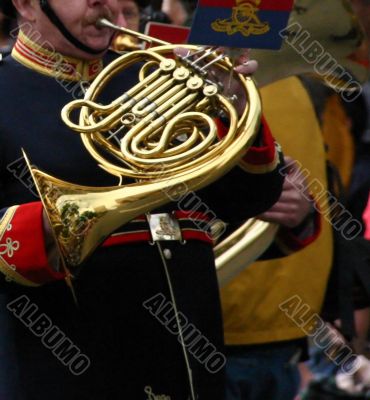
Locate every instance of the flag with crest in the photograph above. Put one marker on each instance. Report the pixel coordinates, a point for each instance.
(240, 23)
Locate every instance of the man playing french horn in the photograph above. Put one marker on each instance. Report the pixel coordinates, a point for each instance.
(148, 323)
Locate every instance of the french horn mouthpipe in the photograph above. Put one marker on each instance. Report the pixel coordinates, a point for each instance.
(105, 23)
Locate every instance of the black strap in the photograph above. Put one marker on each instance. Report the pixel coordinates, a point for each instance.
(49, 12)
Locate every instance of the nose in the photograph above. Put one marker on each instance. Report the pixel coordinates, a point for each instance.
(121, 20)
(117, 15)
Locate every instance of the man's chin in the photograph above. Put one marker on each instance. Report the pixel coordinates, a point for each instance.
(98, 44)
(96, 38)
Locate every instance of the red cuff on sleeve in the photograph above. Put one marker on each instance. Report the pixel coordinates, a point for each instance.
(23, 256)
(258, 159)
(263, 158)
(366, 218)
(266, 152)
(288, 242)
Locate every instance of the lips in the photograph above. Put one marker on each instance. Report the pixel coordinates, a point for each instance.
(104, 13)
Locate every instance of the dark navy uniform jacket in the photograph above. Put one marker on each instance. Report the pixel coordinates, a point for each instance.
(122, 338)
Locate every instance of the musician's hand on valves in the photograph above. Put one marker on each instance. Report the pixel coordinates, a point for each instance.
(242, 65)
(231, 87)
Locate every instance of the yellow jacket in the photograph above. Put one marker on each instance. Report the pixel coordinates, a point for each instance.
(251, 301)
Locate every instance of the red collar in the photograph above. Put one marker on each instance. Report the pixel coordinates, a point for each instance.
(54, 64)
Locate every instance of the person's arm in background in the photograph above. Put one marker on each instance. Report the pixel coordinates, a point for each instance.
(295, 212)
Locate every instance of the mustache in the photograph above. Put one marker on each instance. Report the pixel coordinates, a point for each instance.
(93, 18)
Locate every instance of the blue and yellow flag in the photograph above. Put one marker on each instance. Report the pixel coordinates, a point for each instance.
(240, 23)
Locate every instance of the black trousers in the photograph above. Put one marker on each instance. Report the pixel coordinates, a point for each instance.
(124, 329)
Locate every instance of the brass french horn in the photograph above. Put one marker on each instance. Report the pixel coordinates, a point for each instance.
(160, 135)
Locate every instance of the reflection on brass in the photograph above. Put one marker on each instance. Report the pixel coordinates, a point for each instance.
(123, 43)
(242, 247)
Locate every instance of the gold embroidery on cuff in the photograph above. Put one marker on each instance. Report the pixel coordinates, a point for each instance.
(8, 248)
